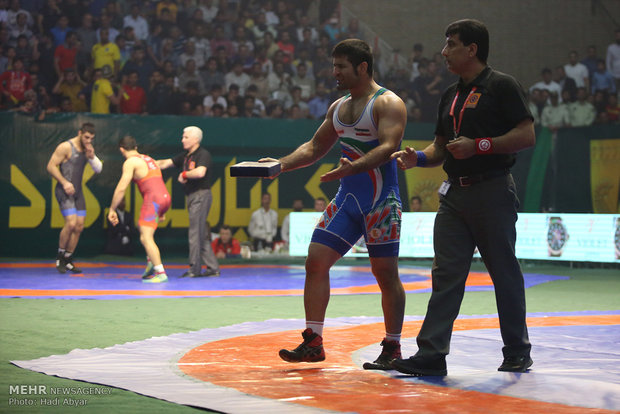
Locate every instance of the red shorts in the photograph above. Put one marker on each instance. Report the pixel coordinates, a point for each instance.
(153, 207)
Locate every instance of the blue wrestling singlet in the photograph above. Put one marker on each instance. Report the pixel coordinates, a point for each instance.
(366, 204)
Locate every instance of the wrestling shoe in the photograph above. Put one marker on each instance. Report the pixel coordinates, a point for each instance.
(518, 363)
(189, 273)
(420, 367)
(60, 263)
(148, 270)
(310, 350)
(391, 351)
(68, 261)
(210, 273)
(155, 278)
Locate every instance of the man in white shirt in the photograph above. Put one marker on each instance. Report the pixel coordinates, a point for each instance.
(613, 59)
(548, 83)
(578, 71)
(263, 225)
(139, 23)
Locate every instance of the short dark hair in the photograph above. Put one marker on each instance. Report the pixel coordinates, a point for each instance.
(88, 127)
(356, 51)
(471, 31)
(128, 143)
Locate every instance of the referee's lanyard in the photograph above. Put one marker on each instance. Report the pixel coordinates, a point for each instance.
(457, 126)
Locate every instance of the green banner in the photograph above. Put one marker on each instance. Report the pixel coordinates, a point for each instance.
(31, 221)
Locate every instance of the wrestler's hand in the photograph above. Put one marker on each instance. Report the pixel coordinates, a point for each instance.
(181, 179)
(405, 159)
(344, 169)
(68, 188)
(113, 217)
(89, 151)
(462, 148)
(269, 159)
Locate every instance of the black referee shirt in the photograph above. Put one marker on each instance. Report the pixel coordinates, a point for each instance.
(200, 157)
(497, 105)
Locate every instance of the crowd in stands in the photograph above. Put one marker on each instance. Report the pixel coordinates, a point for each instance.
(236, 58)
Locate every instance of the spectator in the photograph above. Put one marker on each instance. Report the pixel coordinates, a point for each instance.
(590, 61)
(88, 38)
(304, 81)
(220, 40)
(7, 58)
(415, 204)
(305, 25)
(297, 100)
(133, 98)
(286, 45)
(19, 28)
(279, 82)
(70, 86)
(319, 104)
(332, 28)
(582, 112)
(275, 110)
(258, 109)
(14, 83)
(106, 53)
(189, 52)
(190, 74)
(260, 28)
(144, 67)
(547, 82)
(320, 204)
(533, 98)
(209, 9)
(191, 100)
(119, 238)
(613, 109)
(298, 206)
(212, 75)
(415, 59)
(602, 80)
(428, 88)
(15, 10)
(169, 6)
(140, 24)
(28, 53)
(103, 94)
(65, 54)
(269, 45)
(47, 16)
(202, 44)
(599, 101)
(217, 111)
(246, 57)
(613, 58)
(566, 84)
(121, 43)
(258, 79)
(105, 23)
(238, 77)
(263, 225)
(555, 115)
(577, 71)
(214, 97)
(241, 38)
(226, 246)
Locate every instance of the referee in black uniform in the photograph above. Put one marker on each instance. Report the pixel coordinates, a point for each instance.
(483, 120)
(195, 176)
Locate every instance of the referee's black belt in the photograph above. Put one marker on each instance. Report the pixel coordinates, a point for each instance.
(467, 180)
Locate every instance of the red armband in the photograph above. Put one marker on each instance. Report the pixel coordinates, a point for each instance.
(184, 175)
(484, 146)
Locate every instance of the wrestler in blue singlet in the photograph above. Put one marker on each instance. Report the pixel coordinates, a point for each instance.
(367, 203)
(72, 170)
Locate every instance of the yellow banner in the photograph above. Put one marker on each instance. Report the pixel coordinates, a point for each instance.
(423, 182)
(605, 175)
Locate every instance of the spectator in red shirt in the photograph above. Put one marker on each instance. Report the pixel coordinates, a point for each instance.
(64, 54)
(226, 246)
(14, 83)
(133, 100)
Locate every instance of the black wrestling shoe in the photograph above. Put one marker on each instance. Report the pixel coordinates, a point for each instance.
(70, 266)
(310, 350)
(420, 367)
(518, 363)
(60, 263)
(189, 273)
(391, 352)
